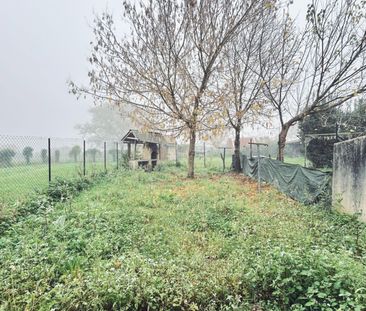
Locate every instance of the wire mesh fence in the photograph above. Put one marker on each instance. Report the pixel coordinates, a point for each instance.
(208, 156)
(28, 163)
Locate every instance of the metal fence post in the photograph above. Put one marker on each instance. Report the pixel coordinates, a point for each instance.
(84, 156)
(258, 168)
(49, 160)
(117, 154)
(251, 149)
(105, 156)
(224, 160)
(306, 153)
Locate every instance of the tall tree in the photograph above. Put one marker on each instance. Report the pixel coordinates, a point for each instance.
(93, 153)
(241, 82)
(28, 154)
(107, 122)
(334, 47)
(75, 152)
(282, 61)
(163, 68)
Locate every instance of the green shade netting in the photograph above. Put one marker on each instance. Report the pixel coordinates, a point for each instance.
(302, 184)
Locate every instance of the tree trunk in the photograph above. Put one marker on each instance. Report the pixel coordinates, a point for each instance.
(236, 160)
(282, 142)
(191, 152)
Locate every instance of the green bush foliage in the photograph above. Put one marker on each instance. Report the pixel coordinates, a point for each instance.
(320, 152)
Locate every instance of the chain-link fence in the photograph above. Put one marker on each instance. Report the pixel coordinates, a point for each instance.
(28, 163)
(208, 156)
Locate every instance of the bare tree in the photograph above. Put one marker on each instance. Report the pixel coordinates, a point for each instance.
(163, 67)
(327, 65)
(282, 61)
(106, 122)
(241, 82)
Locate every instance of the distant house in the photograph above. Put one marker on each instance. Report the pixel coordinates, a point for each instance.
(147, 149)
(244, 141)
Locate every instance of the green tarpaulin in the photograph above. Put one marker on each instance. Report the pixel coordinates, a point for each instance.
(302, 184)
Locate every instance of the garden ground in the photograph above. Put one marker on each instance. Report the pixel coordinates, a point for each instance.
(159, 241)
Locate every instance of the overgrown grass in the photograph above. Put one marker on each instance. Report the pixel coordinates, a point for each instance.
(157, 241)
(18, 181)
(45, 198)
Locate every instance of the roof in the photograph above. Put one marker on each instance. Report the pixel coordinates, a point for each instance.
(146, 137)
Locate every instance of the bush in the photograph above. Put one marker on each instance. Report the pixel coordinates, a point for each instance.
(297, 280)
(320, 152)
(125, 161)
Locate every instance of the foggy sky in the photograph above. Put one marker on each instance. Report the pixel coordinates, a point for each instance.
(43, 44)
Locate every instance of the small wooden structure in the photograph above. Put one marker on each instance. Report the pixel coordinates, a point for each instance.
(147, 149)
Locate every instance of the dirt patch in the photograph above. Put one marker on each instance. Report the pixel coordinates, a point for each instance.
(187, 189)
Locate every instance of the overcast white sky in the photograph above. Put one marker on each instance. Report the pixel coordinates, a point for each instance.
(43, 44)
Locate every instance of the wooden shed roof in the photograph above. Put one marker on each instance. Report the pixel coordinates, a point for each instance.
(136, 136)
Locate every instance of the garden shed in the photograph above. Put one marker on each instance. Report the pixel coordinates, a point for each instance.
(147, 149)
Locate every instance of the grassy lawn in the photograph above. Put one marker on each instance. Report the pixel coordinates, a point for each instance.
(296, 160)
(17, 181)
(158, 241)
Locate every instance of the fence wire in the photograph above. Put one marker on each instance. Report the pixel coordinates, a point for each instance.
(29, 163)
(209, 156)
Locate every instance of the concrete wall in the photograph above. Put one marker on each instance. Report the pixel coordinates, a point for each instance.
(349, 176)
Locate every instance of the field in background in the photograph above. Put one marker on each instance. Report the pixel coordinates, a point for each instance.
(297, 160)
(160, 241)
(17, 181)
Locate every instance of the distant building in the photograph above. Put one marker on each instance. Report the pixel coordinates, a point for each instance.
(244, 142)
(147, 149)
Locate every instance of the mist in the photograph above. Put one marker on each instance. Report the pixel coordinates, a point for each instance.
(44, 44)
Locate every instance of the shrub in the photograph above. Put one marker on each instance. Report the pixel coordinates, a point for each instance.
(125, 161)
(320, 152)
(316, 280)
